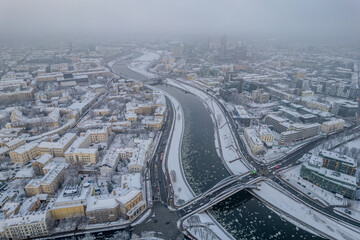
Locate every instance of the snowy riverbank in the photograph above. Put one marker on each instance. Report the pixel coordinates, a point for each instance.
(142, 63)
(227, 149)
(304, 216)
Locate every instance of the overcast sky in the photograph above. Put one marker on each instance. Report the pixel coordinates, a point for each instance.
(264, 18)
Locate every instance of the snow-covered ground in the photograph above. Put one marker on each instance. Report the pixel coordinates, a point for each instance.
(309, 219)
(182, 190)
(230, 155)
(141, 64)
(354, 213)
(209, 231)
(325, 197)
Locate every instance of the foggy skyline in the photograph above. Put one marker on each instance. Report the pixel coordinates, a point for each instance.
(278, 18)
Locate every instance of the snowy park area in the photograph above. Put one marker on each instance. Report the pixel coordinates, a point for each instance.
(141, 64)
(310, 219)
(228, 148)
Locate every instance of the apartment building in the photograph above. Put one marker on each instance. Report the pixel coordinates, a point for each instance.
(79, 151)
(40, 163)
(15, 143)
(57, 149)
(265, 134)
(260, 96)
(317, 105)
(279, 124)
(71, 202)
(102, 209)
(298, 132)
(24, 153)
(17, 94)
(332, 126)
(99, 135)
(331, 180)
(338, 162)
(253, 140)
(27, 226)
(50, 183)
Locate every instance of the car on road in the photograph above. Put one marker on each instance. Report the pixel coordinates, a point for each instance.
(277, 167)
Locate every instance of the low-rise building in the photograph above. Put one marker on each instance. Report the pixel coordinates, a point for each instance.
(50, 183)
(79, 151)
(332, 126)
(110, 161)
(24, 153)
(40, 163)
(29, 225)
(253, 140)
(328, 179)
(298, 132)
(15, 143)
(102, 209)
(57, 149)
(317, 105)
(99, 135)
(338, 162)
(71, 202)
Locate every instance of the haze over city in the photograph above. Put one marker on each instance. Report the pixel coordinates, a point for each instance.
(334, 19)
(158, 119)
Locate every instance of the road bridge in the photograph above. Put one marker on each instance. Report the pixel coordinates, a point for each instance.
(211, 199)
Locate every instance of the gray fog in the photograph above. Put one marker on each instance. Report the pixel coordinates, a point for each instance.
(263, 18)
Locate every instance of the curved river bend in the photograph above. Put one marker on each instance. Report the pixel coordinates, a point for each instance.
(242, 215)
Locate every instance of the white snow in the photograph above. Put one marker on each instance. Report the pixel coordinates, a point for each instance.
(326, 197)
(230, 155)
(141, 64)
(209, 229)
(306, 215)
(182, 190)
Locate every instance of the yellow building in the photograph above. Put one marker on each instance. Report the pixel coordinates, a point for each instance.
(40, 163)
(30, 225)
(153, 123)
(102, 209)
(15, 143)
(144, 109)
(79, 151)
(11, 208)
(70, 203)
(57, 149)
(332, 126)
(24, 153)
(49, 184)
(131, 116)
(99, 135)
(131, 204)
(318, 105)
(265, 134)
(253, 140)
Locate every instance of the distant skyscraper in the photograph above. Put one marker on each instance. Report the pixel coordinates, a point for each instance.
(358, 99)
(240, 51)
(177, 50)
(222, 49)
